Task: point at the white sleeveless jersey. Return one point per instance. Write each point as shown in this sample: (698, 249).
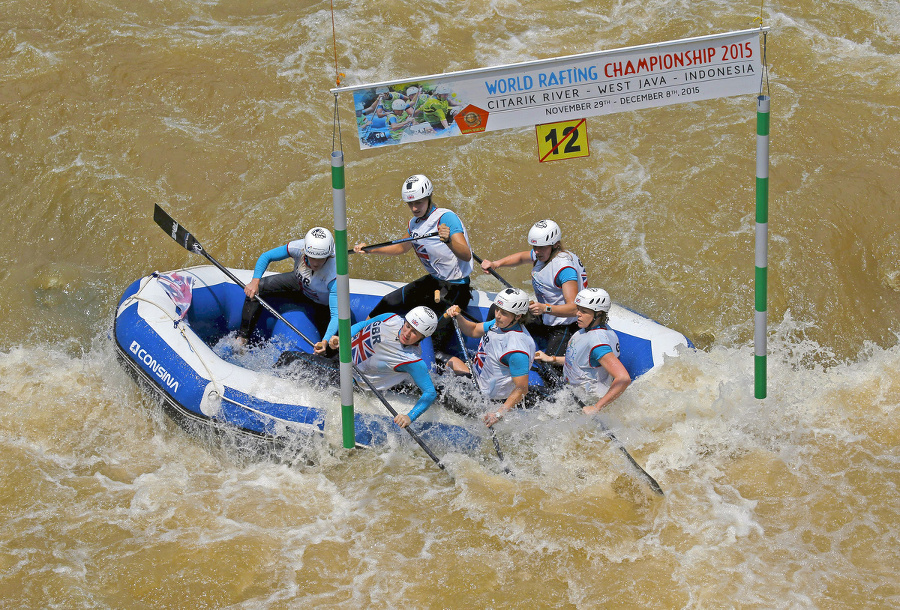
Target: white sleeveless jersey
(493, 376)
(436, 256)
(543, 278)
(593, 381)
(377, 352)
(314, 285)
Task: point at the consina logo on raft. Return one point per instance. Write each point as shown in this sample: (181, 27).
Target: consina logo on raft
(158, 369)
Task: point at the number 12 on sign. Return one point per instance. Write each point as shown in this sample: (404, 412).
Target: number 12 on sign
(563, 140)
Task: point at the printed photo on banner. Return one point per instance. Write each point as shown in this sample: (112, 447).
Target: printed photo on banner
(410, 112)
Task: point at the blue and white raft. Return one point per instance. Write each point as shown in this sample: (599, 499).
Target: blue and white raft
(170, 327)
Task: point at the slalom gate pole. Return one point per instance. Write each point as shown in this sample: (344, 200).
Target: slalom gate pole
(762, 244)
(339, 200)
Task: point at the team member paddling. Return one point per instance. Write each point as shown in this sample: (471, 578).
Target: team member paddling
(386, 350)
(311, 281)
(447, 258)
(557, 276)
(438, 109)
(399, 119)
(504, 355)
(592, 362)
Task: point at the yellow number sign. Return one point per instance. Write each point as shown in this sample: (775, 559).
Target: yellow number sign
(563, 140)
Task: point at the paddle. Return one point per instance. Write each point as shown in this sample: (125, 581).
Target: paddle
(396, 241)
(618, 444)
(462, 346)
(492, 272)
(612, 437)
(187, 241)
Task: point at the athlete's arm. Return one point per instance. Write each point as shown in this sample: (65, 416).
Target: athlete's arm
(278, 253)
(450, 230)
(567, 280)
(393, 249)
(621, 380)
(468, 327)
(333, 310)
(507, 261)
(460, 247)
(418, 370)
(518, 369)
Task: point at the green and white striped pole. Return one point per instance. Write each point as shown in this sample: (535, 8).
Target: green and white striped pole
(343, 293)
(762, 243)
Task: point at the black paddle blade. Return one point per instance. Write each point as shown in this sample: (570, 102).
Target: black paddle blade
(175, 230)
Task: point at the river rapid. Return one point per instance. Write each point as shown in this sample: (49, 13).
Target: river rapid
(220, 111)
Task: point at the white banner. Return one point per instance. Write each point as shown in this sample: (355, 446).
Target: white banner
(558, 89)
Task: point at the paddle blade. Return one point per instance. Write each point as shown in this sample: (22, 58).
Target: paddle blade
(175, 230)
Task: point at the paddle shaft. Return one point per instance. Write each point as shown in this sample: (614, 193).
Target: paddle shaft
(615, 441)
(462, 346)
(612, 437)
(393, 412)
(492, 272)
(391, 243)
(183, 237)
(618, 445)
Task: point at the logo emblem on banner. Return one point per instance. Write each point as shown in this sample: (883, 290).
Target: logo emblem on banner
(471, 119)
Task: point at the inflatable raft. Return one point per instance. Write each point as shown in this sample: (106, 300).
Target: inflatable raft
(171, 332)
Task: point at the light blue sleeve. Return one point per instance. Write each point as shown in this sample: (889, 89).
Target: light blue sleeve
(566, 274)
(275, 254)
(361, 325)
(452, 221)
(333, 308)
(418, 370)
(597, 353)
(517, 362)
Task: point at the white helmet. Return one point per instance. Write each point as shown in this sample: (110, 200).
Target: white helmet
(442, 90)
(399, 105)
(318, 243)
(412, 91)
(513, 300)
(423, 319)
(415, 187)
(593, 298)
(544, 233)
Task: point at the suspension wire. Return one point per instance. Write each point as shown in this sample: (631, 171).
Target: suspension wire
(337, 142)
(764, 77)
(336, 128)
(765, 69)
